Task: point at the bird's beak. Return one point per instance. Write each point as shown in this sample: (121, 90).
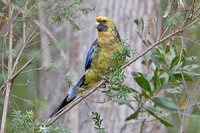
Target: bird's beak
(97, 24)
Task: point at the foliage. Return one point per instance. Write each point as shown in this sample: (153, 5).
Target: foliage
(117, 77)
(97, 122)
(27, 123)
(174, 19)
(70, 11)
(169, 69)
(68, 80)
(51, 68)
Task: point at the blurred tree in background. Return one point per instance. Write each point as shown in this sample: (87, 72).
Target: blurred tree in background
(43, 48)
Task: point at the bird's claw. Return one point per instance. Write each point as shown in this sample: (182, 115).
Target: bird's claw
(105, 78)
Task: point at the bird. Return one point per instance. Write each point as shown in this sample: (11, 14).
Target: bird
(99, 59)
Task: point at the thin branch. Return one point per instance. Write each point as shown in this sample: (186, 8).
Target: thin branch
(48, 32)
(185, 108)
(142, 126)
(34, 69)
(32, 36)
(25, 100)
(165, 31)
(17, 73)
(188, 39)
(179, 110)
(75, 102)
(9, 84)
(22, 49)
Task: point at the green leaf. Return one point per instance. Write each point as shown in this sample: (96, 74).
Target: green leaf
(133, 116)
(51, 68)
(175, 90)
(136, 22)
(68, 80)
(164, 122)
(183, 61)
(187, 76)
(166, 103)
(142, 82)
(139, 23)
(165, 78)
(152, 108)
(157, 57)
(193, 74)
(97, 121)
(175, 61)
(192, 58)
(156, 80)
(144, 94)
(190, 67)
(132, 90)
(178, 75)
(124, 102)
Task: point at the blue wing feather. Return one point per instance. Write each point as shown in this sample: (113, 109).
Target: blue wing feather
(73, 91)
(89, 55)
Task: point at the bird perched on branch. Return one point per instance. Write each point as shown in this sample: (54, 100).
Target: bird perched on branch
(99, 59)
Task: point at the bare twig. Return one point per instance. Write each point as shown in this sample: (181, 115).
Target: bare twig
(9, 84)
(142, 125)
(48, 32)
(188, 39)
(185, 108)
(179, 109)
(33, 35)
(34, 69)
(22, 49)
(26, 100)
(44, 28)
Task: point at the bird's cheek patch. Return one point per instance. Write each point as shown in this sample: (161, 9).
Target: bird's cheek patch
(101, 28)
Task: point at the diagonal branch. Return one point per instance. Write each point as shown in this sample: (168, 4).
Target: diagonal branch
(75, 102)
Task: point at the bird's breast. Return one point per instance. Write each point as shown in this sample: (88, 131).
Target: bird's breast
(102, 59)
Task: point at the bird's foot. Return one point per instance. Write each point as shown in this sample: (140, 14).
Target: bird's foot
(105, 78)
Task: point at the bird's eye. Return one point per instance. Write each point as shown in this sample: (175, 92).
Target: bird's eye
(104, 21)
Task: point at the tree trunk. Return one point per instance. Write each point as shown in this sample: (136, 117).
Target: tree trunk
(123, 12)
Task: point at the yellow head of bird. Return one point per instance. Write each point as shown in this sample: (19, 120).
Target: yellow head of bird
(104, 24)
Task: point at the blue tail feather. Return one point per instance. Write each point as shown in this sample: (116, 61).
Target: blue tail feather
(70, 97)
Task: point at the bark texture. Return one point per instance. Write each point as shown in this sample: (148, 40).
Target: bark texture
(71, 58)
